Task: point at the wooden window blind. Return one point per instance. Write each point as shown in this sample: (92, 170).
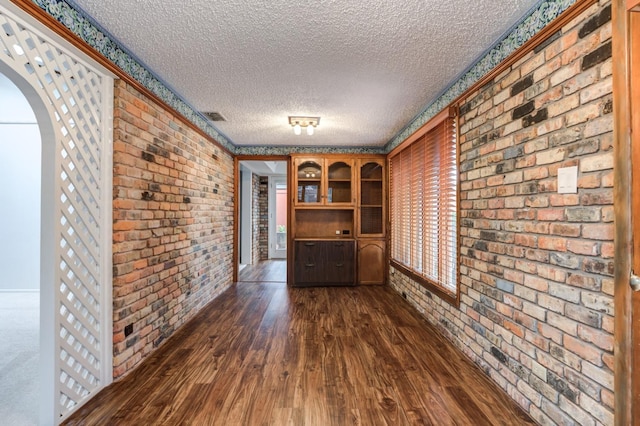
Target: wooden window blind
(424, 208)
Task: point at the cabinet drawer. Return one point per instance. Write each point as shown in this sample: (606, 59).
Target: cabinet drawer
(309, 262)
(340, 262)
(324, 262)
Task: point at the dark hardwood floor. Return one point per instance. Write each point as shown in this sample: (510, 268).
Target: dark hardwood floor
(268, 354)
(274, 270)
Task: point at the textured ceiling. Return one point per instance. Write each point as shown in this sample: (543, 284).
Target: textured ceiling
(366, 68)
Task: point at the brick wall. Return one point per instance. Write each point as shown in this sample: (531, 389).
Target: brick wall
(263, 203)
(255, 218)
(172, 225)
(536, 267)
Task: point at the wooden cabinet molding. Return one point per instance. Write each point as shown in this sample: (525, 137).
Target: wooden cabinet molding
(626, 131)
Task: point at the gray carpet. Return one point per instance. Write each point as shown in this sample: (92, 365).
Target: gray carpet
(19, 358)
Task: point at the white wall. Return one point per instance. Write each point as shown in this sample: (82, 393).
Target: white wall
(20, 161)
(246, 209)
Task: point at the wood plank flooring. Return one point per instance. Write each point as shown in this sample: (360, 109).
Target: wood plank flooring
(268, 354)
(274, 270)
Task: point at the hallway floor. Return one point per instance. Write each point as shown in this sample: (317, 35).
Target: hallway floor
(19, 358)
(273, 270)
(267, 354)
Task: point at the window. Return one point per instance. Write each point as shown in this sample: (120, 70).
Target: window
(424, 207)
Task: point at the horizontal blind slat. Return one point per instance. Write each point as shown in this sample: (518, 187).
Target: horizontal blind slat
(424, 203)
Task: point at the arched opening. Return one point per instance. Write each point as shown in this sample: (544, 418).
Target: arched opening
(20, 169)
(26, 299)
(72, 100)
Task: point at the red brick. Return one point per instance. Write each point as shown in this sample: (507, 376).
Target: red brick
(552, 243)
(588, 248)
(551, 214)
(598, 338)
(607, 250)
(565, 230)
(583, 349)
(516, 329)
(598, 231)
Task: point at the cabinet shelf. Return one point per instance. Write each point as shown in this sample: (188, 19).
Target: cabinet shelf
(316, 206)
(371, 198)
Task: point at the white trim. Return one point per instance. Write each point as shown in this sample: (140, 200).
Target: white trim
(246, 216)
(106, 303)
(273, 253)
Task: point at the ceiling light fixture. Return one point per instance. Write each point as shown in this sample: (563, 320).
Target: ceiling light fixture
(299, 122)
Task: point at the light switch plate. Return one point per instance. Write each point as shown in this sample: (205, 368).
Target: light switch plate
(568, 180)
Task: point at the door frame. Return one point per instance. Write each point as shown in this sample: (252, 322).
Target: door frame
(626, 97)
(236, 205)
(273, 181)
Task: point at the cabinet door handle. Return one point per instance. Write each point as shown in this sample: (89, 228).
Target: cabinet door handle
(339, 244)
(309, 244)
(309, 265)
(339, 265)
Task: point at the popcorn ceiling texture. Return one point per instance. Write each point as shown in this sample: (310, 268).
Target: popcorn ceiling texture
(536, 267)
(365, 67)
(390, 54)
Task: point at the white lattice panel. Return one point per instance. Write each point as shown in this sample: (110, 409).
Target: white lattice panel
(79, 101)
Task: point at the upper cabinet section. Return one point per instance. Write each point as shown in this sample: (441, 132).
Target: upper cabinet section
(371, 197)
(340, 174)
(324, 182)
(309, 180)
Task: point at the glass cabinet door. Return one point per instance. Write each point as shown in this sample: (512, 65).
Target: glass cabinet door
(339, 183)
(309, 178)
(371, 198)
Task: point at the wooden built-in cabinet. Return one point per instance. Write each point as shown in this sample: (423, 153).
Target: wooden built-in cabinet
(338, 218)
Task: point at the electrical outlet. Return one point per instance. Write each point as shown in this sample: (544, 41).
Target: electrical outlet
(337, 232)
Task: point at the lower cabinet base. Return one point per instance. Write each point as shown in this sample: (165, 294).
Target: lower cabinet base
(371, 262)
(324, 263)
(299, 284)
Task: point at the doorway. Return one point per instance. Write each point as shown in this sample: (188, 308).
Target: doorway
(262, 218)
(20, 352)
(277, 213)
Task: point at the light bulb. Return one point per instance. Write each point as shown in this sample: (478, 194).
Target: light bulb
(309, 130)
(297, 129)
